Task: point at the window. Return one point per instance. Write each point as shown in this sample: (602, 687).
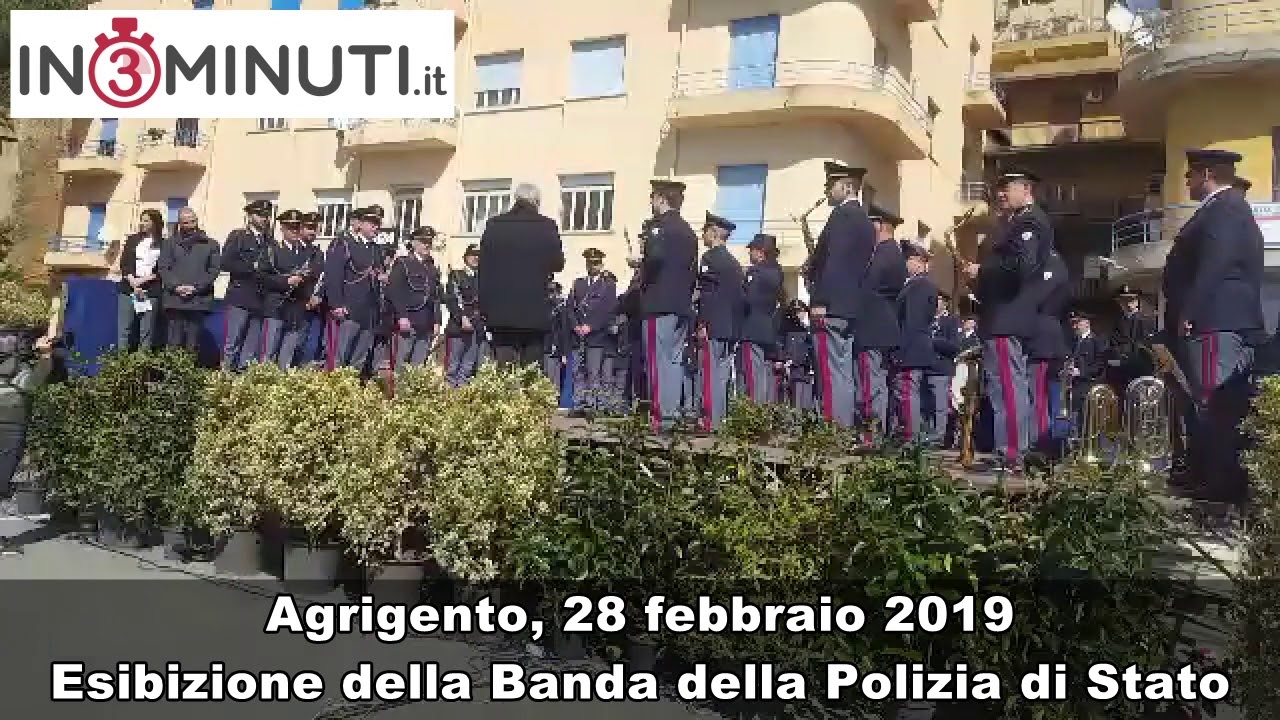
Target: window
(202, 4)
(350, 4)
(482, 200)
(272, 123)
(334, 208)
(286, 4)
(172, 207)
(93, 239)
(753, 52)
(740, 198)
(586, 202)
(271, 197)
(598, 68)
(498, 79)
(408, 209)
(107, 133)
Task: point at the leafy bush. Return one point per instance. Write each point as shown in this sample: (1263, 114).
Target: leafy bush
(1258, 644)
(61, 440)
(23, 306)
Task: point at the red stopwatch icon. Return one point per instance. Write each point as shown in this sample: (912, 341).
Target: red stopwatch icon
(129, 71)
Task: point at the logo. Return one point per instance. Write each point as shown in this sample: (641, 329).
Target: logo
(225, 64)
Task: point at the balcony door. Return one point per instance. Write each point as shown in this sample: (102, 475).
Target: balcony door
(173, 206)
(97, 222)
(740, 193)
(107, 132)
(186, 132)
(753, 52)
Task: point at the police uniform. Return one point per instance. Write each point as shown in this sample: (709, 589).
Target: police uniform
(1046, 348)
(1130, 340)
(760, 323)
(313, 350)
(593, 300)
(632, 331)
(1006, 278)
(1213, 285)
(837, 268)
(917, 303)
(414, 295)
(668, 270)
(353, 292)
(720, 302)
(619, 359)
(876, 330)
(558, 338)
(944, 331)
(797, 356)
(284, 315)
(242, 314)
(463, 348)
(1088, 355)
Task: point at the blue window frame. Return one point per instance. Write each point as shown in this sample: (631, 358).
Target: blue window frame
(350, 4)
(109, 129)
(201, 4)
(740, 192)
(97, 222)
(286, 4)
(753, 52)
(598, 68)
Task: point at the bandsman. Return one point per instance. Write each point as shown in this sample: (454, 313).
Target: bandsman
(352, 289)
(554, 356)
(289, 268)
(719, 324)
(593, 301)
(1088, 358)
(1131, 341)
(414, 294)
(945, 331)
(760, 321)
(1046, 350)
(797, 356)
(314, 350)
(916, 305)
(618, 355)
(668, 267)
(464, 344)
(876, 330)
(242, 319)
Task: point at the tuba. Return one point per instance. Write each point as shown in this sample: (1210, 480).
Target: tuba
(1147, 423)
(1100, 424)
(971, 360)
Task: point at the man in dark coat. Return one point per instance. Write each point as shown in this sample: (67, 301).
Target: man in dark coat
(1131, 341)
(945, 331)
(1088, 358)
(554, 356)
(465, 338)
(414, 294)
(916, 304)
(758, 348)
(188, 266)
(876, 330)
(719, 324)
(242, 304)
(352, 289)
(519, 253)
(837, 268)
(668, 269)
(797, 356)
(288, 268)
(313, 350)
(593, 301)
(1046, 349)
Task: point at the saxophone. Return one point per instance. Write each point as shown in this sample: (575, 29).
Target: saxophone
(972, 393)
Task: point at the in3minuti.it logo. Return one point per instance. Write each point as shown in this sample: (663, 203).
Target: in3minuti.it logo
(224, 64)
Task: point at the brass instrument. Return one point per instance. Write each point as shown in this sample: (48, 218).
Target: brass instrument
(1100, 424)
(1148, 431)
(957, 259)
(1064, 390)
(972, 393)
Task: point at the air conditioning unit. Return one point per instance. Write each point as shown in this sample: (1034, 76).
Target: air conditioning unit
(1094, 96)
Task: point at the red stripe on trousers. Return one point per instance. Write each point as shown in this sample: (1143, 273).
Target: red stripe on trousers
(651, 360)
(748, 371)
(331, 343)
(824, 374)
(904, 390)
(708, 403)
(864, 376)
(1042, 398)
(1005, 368)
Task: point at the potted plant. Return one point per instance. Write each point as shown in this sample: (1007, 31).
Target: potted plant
(61, 446)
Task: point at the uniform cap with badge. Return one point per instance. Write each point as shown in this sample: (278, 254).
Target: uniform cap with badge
(1126, 293)
(472, 250)
(764, 241)
(914, 249)
(718, 222)
(1208, 157)
(423, 233)
(1017, 175)
(258, 208)
(593, 255)
(290, 217)
(311, 218)
(838, 171)
(878, 214)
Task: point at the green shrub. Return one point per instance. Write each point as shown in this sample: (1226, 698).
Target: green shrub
(1258, 619)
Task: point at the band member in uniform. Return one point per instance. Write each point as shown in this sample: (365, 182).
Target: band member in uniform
(464, 333)
(242, 319)
(836, 269)
(917, 305)
(617, 354)
(1046, 349)
(945, 331)
(668, 267)
(553, 356)
(1131, 341)
(414, 294)
(352, 290)
(593, 302)
(188, 268)
(1003, 281)
(797, 356)
(312, 352)
(1088, 359)
(1214, 301)
(288, 267)
(760, 321)
(720, 301)
(969, 337)
(876, 331)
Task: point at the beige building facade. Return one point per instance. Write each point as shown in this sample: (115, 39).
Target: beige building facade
(589, 100)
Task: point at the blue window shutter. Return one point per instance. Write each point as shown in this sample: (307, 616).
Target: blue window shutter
(350, 4)
(110, 126)
(202, 4)
(597, 69)
(498, 72)
(740, 193)
(97, 221)
(286, 4)
(753, 52)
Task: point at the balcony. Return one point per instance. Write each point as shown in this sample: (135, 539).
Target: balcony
(983, 102)
(1140, 242)
(163, 150)
(1038, 135)
(876, 101)
(401, 135)
(93, 158)
(76, 252)
(1053, 46)
(918, 10)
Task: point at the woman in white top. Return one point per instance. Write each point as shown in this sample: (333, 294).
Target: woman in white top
(139, 305)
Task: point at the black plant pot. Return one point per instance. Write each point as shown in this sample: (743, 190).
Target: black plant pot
(87, 522)
(173, 540)
(642, 655)
(28, 500)
(239, 553)
(113, 531)
(198, 544)
(312, 568)
(396, 582)
(568, 646)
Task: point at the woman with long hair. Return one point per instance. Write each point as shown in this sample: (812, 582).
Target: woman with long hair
(139, 305)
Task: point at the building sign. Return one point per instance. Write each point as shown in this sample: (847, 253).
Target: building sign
(1268, 216)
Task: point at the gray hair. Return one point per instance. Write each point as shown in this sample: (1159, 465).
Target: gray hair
(527, 193)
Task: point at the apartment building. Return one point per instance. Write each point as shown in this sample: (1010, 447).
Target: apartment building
(743, 101)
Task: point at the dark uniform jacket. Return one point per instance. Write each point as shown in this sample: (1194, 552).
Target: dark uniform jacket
(720, 294)
(968, 343)
(840, 258)
(414, 293)
(1009, 273)
(797, 349)
(946, 344)
(129, 266)
(519, 253)
(593, 302)
(279, 261)
(460, 298)
(760, 318)
(1051, 296)
(191, 258)
(1130, 341)
(559, 340)
(351, 269)
(876, 324)
(917, 303)
(240, 257)
(668, 267)
(1089, 355)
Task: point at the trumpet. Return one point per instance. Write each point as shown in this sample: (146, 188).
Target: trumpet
(1147, 423)
(1100, 425)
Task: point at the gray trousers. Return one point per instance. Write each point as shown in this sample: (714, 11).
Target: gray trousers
(664, 339)
(351, 346)
(908, 407)
(1004, 371)
(836, 385)
(272, 348)
(801, 392)
(411, 348)
(242, 334)
(292, 340)
(873, 390)
(128, 322)
(591, 387)
(715, 372)
(755, 374)
(553, 368)
(940, 404)
(1218, 372)
(462, 355)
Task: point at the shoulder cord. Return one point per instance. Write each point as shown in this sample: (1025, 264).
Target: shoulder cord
(421, 289)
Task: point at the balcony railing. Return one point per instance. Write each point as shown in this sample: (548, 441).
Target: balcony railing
(1155, 226)
(101, 148)
(1066, 133)
(1047, 28)
(792, 73)
(76, 244)
(982, 81)
(404, 122)
(182, 138)
(1157, 29)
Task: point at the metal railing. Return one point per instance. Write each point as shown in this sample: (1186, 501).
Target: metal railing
(1089, 130)
(100, 148)
(1161, 224)
(1050, 27)
(1158, 29)
(76, 243)
(790, 73)
(972, 191)
(164, 137)
(358, 123)
(982, 81)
